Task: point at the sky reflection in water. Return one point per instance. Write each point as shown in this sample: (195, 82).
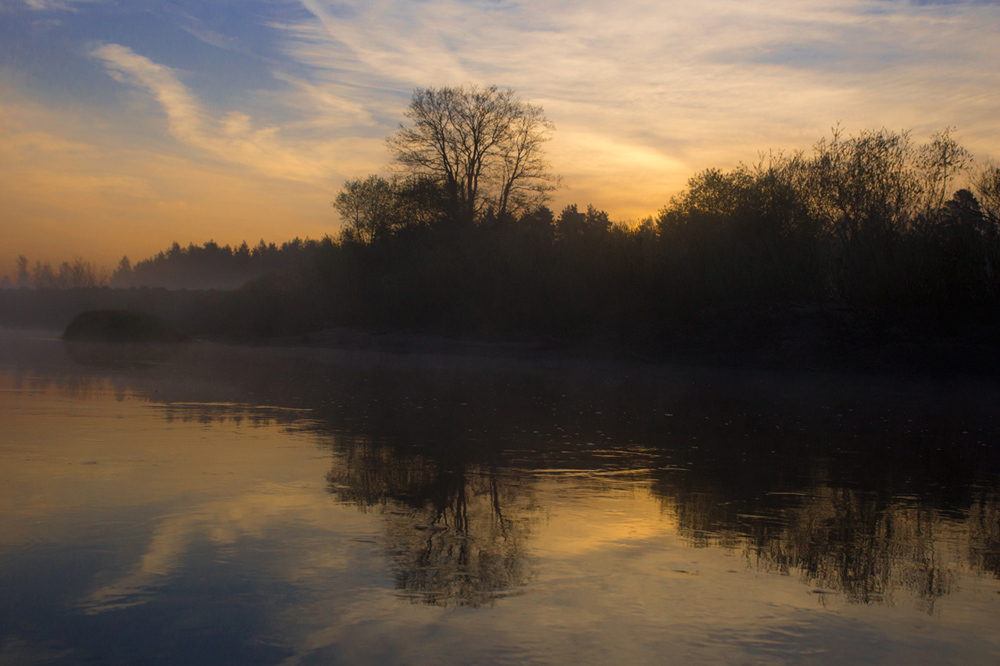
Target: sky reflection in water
(280, 506)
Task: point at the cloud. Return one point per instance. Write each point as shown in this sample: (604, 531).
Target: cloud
(69, 189)
(221, 522)
(209, 36)
(643, 94)
(233, 137)
(684, 85)
(54, 5)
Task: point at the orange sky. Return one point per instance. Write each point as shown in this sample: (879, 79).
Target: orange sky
(123, 130)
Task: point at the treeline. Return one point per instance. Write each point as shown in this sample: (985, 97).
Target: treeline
(872, 223)
(874, 231)
(208, 266)
(213, 266)
(78, 274)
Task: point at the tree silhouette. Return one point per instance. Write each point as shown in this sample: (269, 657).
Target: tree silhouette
(483, 145)
(986, 183)
(368, 208)
(23, 276)
(942, 160)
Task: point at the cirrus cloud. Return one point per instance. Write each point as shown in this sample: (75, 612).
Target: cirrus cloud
(233, 137)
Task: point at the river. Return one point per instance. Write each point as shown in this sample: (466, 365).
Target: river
(213, 504)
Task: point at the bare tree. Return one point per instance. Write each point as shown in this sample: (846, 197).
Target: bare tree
(864, 186)
(942, 160)
(986, 183)
(483, 145)
(522, 173)
(23, 278)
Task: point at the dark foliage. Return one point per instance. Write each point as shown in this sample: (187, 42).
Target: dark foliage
(483, 146)
(866, 227)
(120, 326)
(212, 266)
(847, 247)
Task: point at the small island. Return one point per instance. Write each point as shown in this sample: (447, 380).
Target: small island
(121, 326)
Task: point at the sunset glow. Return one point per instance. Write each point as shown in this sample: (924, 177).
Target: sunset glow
(124, 128)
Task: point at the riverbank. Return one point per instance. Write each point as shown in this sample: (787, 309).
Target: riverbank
(802, 336)
(807, 338)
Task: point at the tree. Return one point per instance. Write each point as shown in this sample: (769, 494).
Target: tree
(23, 275)
(375, 208)
(122, 276)
(864, 187)
(482, 145)
(523, 173)
(986, 183)
(573, 224)
(42, 276)
(368, 208)
(942, 160)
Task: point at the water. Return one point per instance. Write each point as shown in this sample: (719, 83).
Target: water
(226, 505)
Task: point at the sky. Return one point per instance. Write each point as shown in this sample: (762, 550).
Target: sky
(126, 125)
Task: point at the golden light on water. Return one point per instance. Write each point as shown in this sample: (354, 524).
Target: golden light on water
(351, 505)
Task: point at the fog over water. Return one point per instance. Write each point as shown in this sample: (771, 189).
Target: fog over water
(262, 505)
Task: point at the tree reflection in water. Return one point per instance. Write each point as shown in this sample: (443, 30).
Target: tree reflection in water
(455, 531)
(984, 534)
(866, 545)
(872, 490)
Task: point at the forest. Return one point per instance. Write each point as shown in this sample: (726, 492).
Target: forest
(868, 238)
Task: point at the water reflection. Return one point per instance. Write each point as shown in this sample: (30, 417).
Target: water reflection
(841, 540)
(455, 536)
(121, 355)
(872, 491)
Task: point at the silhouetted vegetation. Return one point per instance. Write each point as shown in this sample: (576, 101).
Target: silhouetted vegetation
(119, 326)
(865, 237)
(208, 266)
(212, 266)
(862, 242)
(78, 274)
(481, 146)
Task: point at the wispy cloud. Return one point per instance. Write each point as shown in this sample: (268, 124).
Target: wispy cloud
(53, 5)
(697, 82)
(643, 93)
(209, 36)
(679, 86)
(220, 522)
(232, 137)
(67, 190)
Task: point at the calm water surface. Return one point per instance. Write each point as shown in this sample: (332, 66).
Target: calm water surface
(227, 505)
